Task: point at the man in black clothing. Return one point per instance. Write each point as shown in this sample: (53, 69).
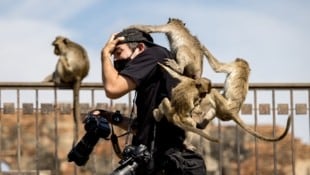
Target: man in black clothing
(135, 58)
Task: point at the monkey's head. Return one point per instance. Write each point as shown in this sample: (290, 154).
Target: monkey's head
(60, 44)
(175, 21)
(203, 86)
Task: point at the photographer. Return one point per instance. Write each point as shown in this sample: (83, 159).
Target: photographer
(129, 62)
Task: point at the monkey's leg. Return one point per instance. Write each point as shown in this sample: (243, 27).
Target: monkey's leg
(211, 113)
(167, 109)
(158, 113)
(188, 141)
(164, 109)
(49, 78)
(182, 121)
(209, 116)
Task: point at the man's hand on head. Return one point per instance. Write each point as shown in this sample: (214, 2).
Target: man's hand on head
(111, 44)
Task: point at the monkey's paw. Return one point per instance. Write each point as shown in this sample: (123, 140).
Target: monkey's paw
(173, 65)
(157, 115)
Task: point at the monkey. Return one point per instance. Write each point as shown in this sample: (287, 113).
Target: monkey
(184, 97)
(185, 48)
(72, 67)
(226, 106)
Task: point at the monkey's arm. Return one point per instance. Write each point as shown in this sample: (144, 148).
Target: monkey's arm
(151, 28)
(64, 62)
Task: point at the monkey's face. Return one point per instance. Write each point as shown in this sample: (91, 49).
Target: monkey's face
(59, 45)
(56, 50)
(203, 86)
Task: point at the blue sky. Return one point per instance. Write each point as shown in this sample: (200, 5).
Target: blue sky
(273, 36)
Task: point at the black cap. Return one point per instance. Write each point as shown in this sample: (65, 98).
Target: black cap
(135, 35)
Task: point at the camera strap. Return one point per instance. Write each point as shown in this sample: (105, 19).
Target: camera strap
(114, 137)
(115, 144)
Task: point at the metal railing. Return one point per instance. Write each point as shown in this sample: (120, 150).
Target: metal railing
(43, 109)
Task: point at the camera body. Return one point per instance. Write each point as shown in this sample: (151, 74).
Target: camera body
(96, 127)
(133, 157)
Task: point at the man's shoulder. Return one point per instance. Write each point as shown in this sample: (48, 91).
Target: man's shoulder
(158, 50)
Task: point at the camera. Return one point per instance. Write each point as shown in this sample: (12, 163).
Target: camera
(133, 157)
(96, 127)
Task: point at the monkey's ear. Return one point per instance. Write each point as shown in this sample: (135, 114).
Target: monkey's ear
(66, 41)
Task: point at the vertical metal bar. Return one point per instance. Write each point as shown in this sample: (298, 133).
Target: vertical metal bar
(37, 131)
(18, 132)
(56, 132)
(275, 169)
(220, 148)
(308, 113)
(238, 149)
(255, 127)
(93, 156)
(292, 132)
(92, 98)
(130, 100)
(111, 104)
(0, 130)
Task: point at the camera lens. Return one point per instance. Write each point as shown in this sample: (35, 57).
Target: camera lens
(80, 153)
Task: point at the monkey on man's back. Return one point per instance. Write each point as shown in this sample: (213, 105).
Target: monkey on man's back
(185, 96)
(186, 49)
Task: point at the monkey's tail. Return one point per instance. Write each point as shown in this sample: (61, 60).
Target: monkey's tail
(76, 110)
(260, 136)
(207, 53)
(197, 131)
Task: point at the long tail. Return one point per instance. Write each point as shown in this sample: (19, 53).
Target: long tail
(197, 131)
(76, 110)
(207, 53)
(260, 136)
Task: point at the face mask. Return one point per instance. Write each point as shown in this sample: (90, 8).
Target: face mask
(119, 65)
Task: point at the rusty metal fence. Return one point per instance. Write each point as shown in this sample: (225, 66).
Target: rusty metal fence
(36, 131)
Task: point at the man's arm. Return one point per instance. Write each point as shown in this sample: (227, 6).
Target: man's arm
(115, 85)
